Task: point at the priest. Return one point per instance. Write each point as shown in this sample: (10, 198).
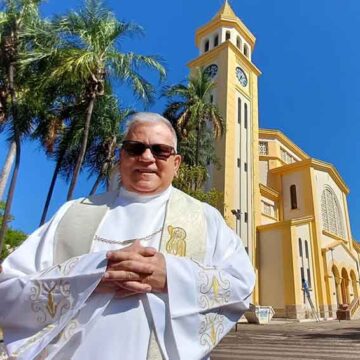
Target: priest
(144, 272)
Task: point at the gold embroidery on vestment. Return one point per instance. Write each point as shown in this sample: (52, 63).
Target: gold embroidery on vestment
(176, 245)
(51, 305)
(215, 288)
(33, 339)
(50, 299)
(211, 329)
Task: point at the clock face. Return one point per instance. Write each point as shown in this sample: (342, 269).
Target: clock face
(240, 74)
(211, 70)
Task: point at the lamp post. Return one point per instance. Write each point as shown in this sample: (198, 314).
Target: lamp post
(237, 213)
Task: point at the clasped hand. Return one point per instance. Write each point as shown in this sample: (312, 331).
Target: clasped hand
(134, 270)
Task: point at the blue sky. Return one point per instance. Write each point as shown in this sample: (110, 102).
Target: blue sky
(308, 52)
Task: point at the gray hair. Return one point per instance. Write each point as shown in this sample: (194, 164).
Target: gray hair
(149, 118)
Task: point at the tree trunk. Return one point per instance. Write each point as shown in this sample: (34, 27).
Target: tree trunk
(105, 166)
(81, 156)
(10, 196)
(7, 168)
(97, 182)
(197, 150)
(51, 190)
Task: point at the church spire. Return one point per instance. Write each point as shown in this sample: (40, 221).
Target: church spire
(225, 25)
(226, 12)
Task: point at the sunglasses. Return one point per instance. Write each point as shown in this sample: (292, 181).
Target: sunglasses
(137, 148)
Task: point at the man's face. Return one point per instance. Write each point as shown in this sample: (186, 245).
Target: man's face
(146, 174)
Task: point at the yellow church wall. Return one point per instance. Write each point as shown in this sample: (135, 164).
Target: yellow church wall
(278, 268)
(271, 265)
(230, 163)
(263, 171)
(342, 258)
(277, 140)
(299, 178)
(319, 269)
(326, 240)
(303, 232)
(256, 173)
(281, 240)
(347, 220)
(273, 148)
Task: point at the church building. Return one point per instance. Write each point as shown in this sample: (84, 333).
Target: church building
(289, 209)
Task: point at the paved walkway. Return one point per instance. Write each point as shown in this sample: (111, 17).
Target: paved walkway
(316, 341)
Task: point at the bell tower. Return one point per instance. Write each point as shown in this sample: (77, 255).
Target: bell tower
(225, 50)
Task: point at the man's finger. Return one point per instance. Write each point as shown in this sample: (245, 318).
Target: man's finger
(120, 255)
(147, 251)
(120, 275)
(132, 266)
(135, 286)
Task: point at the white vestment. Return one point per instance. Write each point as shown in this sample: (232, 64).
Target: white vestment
(52, 312)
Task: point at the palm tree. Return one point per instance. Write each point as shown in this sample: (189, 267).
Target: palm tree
(16, 99)
(190, 107)
(101, 156)
(57, 129)
(60, 133)
(206, 154)
(88, 52)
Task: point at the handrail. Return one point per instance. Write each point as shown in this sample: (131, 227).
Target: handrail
(347, 312)
(354, 305)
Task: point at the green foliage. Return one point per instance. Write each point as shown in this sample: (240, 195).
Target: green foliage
(105, 138)
(207, 155)
(13, 238)
(193, 114)
(213, 197)
(198, 123)
(191, 179)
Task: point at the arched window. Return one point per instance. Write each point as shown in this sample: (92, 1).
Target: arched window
(293, 197)
(206, 46)
(227, 35)
(246, 50)
(300, 247)
(306, 249)
(238, 42)
(216, 40)
(331, 212)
